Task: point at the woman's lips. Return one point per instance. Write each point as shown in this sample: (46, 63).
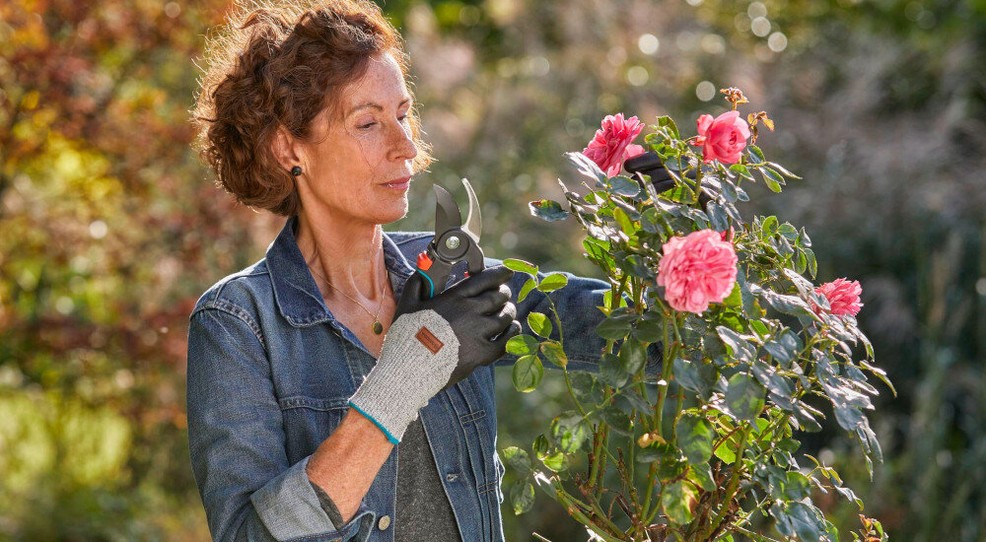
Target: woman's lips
(399, 184)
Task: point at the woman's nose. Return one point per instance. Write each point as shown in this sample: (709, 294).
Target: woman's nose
(402, 145)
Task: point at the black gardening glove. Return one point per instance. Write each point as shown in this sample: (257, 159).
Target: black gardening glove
(650, 164)
(479, 311)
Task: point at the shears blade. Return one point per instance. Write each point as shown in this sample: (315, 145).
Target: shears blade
(474, 220)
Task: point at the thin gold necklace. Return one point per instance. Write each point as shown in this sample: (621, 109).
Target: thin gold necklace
(376, 327)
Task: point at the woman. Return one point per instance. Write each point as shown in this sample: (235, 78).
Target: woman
(316, 410)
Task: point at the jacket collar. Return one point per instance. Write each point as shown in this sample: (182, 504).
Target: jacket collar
(295, 292)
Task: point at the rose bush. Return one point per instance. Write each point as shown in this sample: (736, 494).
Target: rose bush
(701, 445)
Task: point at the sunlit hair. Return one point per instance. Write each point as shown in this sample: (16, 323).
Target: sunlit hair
(281, 63)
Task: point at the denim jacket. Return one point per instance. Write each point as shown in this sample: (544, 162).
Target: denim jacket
(270, 371)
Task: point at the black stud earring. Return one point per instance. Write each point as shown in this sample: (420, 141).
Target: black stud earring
(296, 171)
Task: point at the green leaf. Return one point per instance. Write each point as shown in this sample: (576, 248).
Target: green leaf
(741, 170)
(670, 461)
(717, 216)
(701, 475)
(696, 376)
(782, 170)
(615, 327)
(617, 420)
(624, 221)
(552, 282)
(520, 266)
(738, 346)
(522, 345)
(780, 388)
(548, 210)
(666, 122)
(527, 373)
(517, 459)
(726, 453)
(527, 288)
(780, 352)
(587, 388)
(788, 231)
(611, 371)
(633, 356)
(630, 401)
(799, 519)
(756, 155)
(800, 260)
(522, 496)
(786, 304)
(649, 330)
(570, 431)
(773, 185)
(745, 397)
(677, 501)
(624, 186)
(555, 461)
(553, 352)
(796, 486)
(540, 324)
(650, 220)
(695, 436)
(769, 227)
(587, 167)
(812, 262)
(773, 175)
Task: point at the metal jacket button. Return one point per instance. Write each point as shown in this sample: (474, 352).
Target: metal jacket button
(383, 523)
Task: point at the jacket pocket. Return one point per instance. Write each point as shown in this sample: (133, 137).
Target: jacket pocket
(309, 421)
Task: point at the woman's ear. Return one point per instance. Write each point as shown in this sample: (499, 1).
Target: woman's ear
(286, 148)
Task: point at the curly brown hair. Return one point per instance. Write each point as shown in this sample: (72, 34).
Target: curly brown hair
(281, 63)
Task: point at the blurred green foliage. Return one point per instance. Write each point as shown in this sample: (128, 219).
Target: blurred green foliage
(110, 227)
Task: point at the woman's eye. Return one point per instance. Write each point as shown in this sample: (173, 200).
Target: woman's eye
(366, 125)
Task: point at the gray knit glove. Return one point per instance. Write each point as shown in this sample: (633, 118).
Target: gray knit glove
(434, 343)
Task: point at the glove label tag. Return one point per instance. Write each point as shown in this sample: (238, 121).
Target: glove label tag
(429, 340)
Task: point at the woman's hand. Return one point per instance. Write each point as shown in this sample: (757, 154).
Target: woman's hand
(479, 311)
(433, 344)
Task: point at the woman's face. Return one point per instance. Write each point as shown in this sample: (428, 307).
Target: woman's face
(359, 166)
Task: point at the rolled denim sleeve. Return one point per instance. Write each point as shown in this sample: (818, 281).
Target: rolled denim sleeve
(236, 440)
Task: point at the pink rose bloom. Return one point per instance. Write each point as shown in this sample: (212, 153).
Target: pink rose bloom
(697, 269)
(722, 138)
(613, 143)
(843, 296)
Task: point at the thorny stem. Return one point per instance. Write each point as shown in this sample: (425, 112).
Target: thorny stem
(698, 182)
(662, 389)
(733, 484)
(575, 508)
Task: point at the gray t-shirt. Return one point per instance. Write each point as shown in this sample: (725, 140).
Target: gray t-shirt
(424, 513)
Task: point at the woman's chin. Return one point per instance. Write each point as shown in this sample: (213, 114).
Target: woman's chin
(394, 213)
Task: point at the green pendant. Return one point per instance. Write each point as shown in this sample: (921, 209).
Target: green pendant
(377, 327)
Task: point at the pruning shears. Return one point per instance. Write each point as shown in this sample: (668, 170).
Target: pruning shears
(454, 240)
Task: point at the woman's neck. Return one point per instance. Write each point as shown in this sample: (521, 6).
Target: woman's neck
(349, 257)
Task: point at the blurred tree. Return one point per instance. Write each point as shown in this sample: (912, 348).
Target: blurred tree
(108, 226)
